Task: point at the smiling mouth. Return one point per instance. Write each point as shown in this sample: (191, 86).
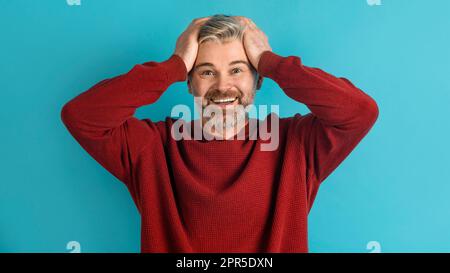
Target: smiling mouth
(224, 101)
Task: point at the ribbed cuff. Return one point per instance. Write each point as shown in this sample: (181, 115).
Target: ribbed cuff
(268, 63)
(175, 69)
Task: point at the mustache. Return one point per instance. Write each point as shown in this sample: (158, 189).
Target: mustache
(217, 94)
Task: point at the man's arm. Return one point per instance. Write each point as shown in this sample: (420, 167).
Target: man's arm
(101, 118)
(341, 114)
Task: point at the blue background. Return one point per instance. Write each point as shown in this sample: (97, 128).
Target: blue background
(394, 188)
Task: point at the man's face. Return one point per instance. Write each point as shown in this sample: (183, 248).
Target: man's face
(222, 75)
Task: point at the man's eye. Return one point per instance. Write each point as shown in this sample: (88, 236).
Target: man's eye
(236, 70)
(207, 73)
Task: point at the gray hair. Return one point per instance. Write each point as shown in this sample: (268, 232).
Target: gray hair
(221, 28)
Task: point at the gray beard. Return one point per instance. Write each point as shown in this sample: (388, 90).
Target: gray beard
(229, 120)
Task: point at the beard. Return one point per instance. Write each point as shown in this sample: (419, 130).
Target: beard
(225, 119)
(229, 116)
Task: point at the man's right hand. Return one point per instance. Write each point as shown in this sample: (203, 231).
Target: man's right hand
(187, 43)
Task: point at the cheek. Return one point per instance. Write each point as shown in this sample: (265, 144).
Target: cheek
(246, 85)
(199, 88)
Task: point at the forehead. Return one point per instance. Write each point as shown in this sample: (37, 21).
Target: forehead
(221, 53)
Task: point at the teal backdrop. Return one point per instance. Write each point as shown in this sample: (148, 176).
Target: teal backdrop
(390, 195)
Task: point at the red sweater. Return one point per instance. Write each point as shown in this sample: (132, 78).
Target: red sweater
(221, 195)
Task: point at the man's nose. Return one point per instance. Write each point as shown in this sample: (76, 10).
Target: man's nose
(223, 83)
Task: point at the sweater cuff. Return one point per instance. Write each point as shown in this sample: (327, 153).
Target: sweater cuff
(175, 69)
(268, 63)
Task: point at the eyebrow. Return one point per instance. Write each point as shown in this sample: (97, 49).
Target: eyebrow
(232, 63)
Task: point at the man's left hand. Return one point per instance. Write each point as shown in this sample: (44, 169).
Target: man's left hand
(255, 41)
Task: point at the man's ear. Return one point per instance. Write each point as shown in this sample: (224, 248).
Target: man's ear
(259, 82)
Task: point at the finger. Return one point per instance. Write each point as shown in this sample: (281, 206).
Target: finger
(198, 21)
(250, 28)
(242, 20)
(195, 25)
(252, 24)
(249, 24)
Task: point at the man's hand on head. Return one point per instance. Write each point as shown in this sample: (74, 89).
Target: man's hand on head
(187, 43)
(255, 40)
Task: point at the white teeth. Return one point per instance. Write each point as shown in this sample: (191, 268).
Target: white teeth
(225, 100)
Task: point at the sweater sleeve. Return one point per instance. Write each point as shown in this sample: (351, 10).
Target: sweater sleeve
(101, 118)
(341, 114)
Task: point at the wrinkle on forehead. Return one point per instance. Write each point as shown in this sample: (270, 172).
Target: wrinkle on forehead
(220, 54)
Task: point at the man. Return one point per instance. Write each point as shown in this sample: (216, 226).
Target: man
(221, 195)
